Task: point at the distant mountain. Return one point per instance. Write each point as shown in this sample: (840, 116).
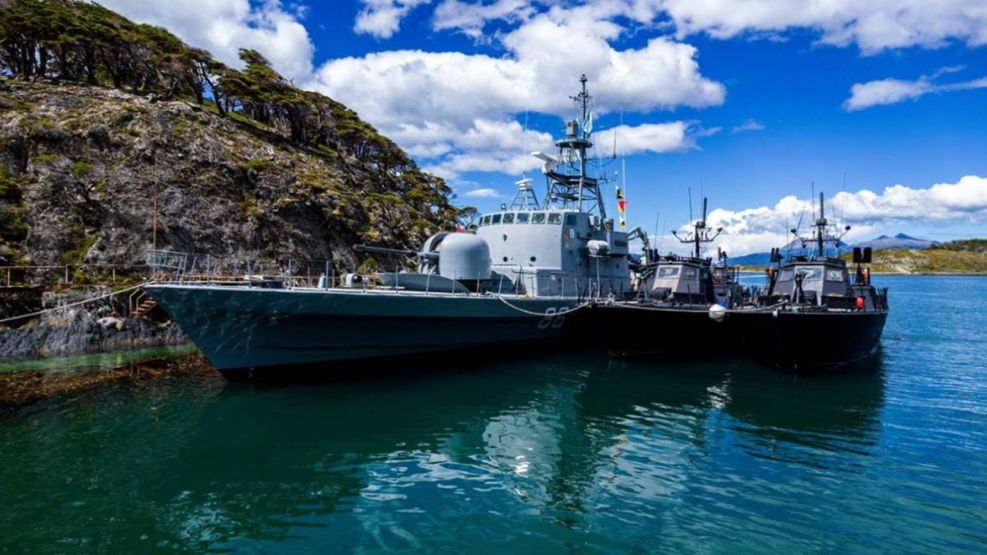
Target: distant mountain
(753, 259)
(884, 242)
(899, 241)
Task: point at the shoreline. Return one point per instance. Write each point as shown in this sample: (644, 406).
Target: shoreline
(760, 270)
(21, 388)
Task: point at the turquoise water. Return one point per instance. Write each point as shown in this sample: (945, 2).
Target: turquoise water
(93, 361)
(558, 454)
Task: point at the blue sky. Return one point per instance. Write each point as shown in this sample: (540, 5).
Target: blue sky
(749, 101)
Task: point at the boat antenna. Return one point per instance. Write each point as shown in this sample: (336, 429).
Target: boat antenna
(524, 144)
(700, 233)
(812, 198)
(690, 204)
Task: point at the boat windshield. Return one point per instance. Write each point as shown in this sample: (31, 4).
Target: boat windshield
(522, 218)
(835, 275)
(811, 273)
(668, 271)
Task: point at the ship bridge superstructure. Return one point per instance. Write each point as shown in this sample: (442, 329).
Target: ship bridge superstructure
(564, 245)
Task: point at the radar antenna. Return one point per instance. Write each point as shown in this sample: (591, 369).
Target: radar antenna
(568, 182)
(700, 233)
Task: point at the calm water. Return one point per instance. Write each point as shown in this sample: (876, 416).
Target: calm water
(563, 454)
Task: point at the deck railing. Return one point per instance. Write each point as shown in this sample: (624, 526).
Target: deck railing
(64, 275)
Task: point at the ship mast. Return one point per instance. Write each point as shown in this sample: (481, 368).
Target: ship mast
(700, 233)
(821, 237)
(568, 182)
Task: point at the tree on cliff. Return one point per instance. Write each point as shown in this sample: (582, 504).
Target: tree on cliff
(78, 41)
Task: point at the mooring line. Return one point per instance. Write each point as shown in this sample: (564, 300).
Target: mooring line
(543, 314)
(70, 305)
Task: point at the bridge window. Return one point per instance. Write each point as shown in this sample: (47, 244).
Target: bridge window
(495, 220)
(555, 218)
(811, 273)
(509, 218)
(522, 218)
(538, 218)
(570, 220)
(690, 272)
(668, 271)
(485, 221)
(834, 275)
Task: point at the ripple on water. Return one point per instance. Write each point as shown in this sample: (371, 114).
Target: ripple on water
(562, 454)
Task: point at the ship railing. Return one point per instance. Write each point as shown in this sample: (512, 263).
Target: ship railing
(45, 277)
(206, 269)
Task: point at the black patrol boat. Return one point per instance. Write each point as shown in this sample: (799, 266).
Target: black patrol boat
(809, 316)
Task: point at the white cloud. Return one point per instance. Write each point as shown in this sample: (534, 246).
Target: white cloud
(382, 18)
(224, 26)
(483, 193)
(673, 136)
(873, 25)
(749, 125)
(892, 91)
(458, 112)
(471, 18)
(759, 229)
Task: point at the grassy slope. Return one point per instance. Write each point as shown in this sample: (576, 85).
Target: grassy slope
(929, 261)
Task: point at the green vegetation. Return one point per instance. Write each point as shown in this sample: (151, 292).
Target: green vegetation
(929, 261)
(83, 42)
(46, 158)
(964, 245)
(81, 169)
(79, 244)
(258, 164)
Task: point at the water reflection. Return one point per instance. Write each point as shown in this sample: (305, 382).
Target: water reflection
(556, 449)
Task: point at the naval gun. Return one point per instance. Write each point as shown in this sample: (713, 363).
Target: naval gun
(447, 262)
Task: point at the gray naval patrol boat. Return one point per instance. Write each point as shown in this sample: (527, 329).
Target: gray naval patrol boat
(809, 317)
(515, 279)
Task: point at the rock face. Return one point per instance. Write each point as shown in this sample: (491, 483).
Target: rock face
(85, 172)
(89, 328)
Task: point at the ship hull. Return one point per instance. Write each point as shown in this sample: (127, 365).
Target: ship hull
(242, 329)
(798, 341)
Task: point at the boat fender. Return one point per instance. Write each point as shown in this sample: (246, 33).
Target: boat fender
(860, 303)
(717, 312)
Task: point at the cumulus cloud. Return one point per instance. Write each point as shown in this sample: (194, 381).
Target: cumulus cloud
(874, 26)
(893, 91)
(672, 136)
(471, 18)
(485, 192)
(224, 26)
(759, 229)
(459, 111)
(382, 18)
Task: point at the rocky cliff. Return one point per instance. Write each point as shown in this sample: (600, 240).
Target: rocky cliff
(117, 137)
(82, 169)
